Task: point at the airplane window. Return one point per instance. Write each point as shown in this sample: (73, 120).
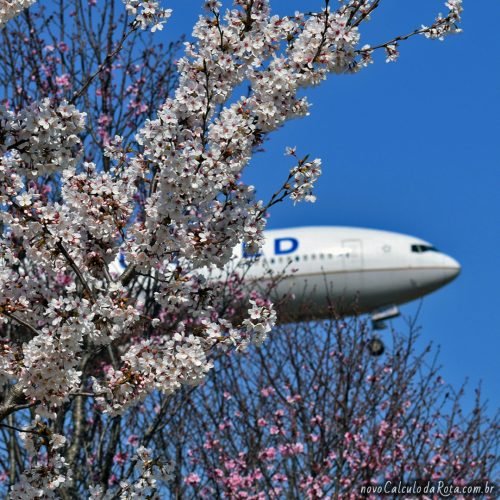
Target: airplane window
(423, 248)
(304, 257)
(280, 260)
(289, 259)
(313, 256)
(272, 261)
(321, 256)
(330, 256)
(297, 258)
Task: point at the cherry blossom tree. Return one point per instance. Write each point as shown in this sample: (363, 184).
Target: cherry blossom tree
(322, 419)
(108, 153)
(299, 419)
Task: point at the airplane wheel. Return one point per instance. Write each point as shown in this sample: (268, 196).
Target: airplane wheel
(376, 346)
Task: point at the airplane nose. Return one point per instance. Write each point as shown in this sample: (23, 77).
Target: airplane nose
(451, 268)
(438, 270)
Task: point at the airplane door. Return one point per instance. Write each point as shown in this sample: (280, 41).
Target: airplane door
(353, 277)
(353, 255)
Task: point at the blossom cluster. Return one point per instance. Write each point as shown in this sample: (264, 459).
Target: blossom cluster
(304, 176)
(445, 25)
(42, 481)
(262, 319)
(149, 472)
(11, 182)
(101, 204)
(48, 471)
(45, 136)
(11, 8)
(165, 366)
(148, 13)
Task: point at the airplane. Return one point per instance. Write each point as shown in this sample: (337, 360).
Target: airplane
(323, 270)
(347, 270)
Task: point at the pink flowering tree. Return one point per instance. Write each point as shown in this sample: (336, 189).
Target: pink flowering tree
(314, 414)
(107, 153)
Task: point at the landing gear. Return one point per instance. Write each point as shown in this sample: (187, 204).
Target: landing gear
(376, 346)
(379, 325)
(379, 316)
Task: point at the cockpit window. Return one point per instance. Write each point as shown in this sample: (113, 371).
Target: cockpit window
(423, 248)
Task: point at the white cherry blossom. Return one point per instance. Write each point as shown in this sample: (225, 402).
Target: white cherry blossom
(11, 8)
(148, 13)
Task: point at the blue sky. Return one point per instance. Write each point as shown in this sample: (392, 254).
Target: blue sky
(410, 147)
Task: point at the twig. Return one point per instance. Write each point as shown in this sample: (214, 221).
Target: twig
(21, 322)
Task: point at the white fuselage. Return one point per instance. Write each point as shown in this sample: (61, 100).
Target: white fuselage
(345, 270)
(319, 271)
